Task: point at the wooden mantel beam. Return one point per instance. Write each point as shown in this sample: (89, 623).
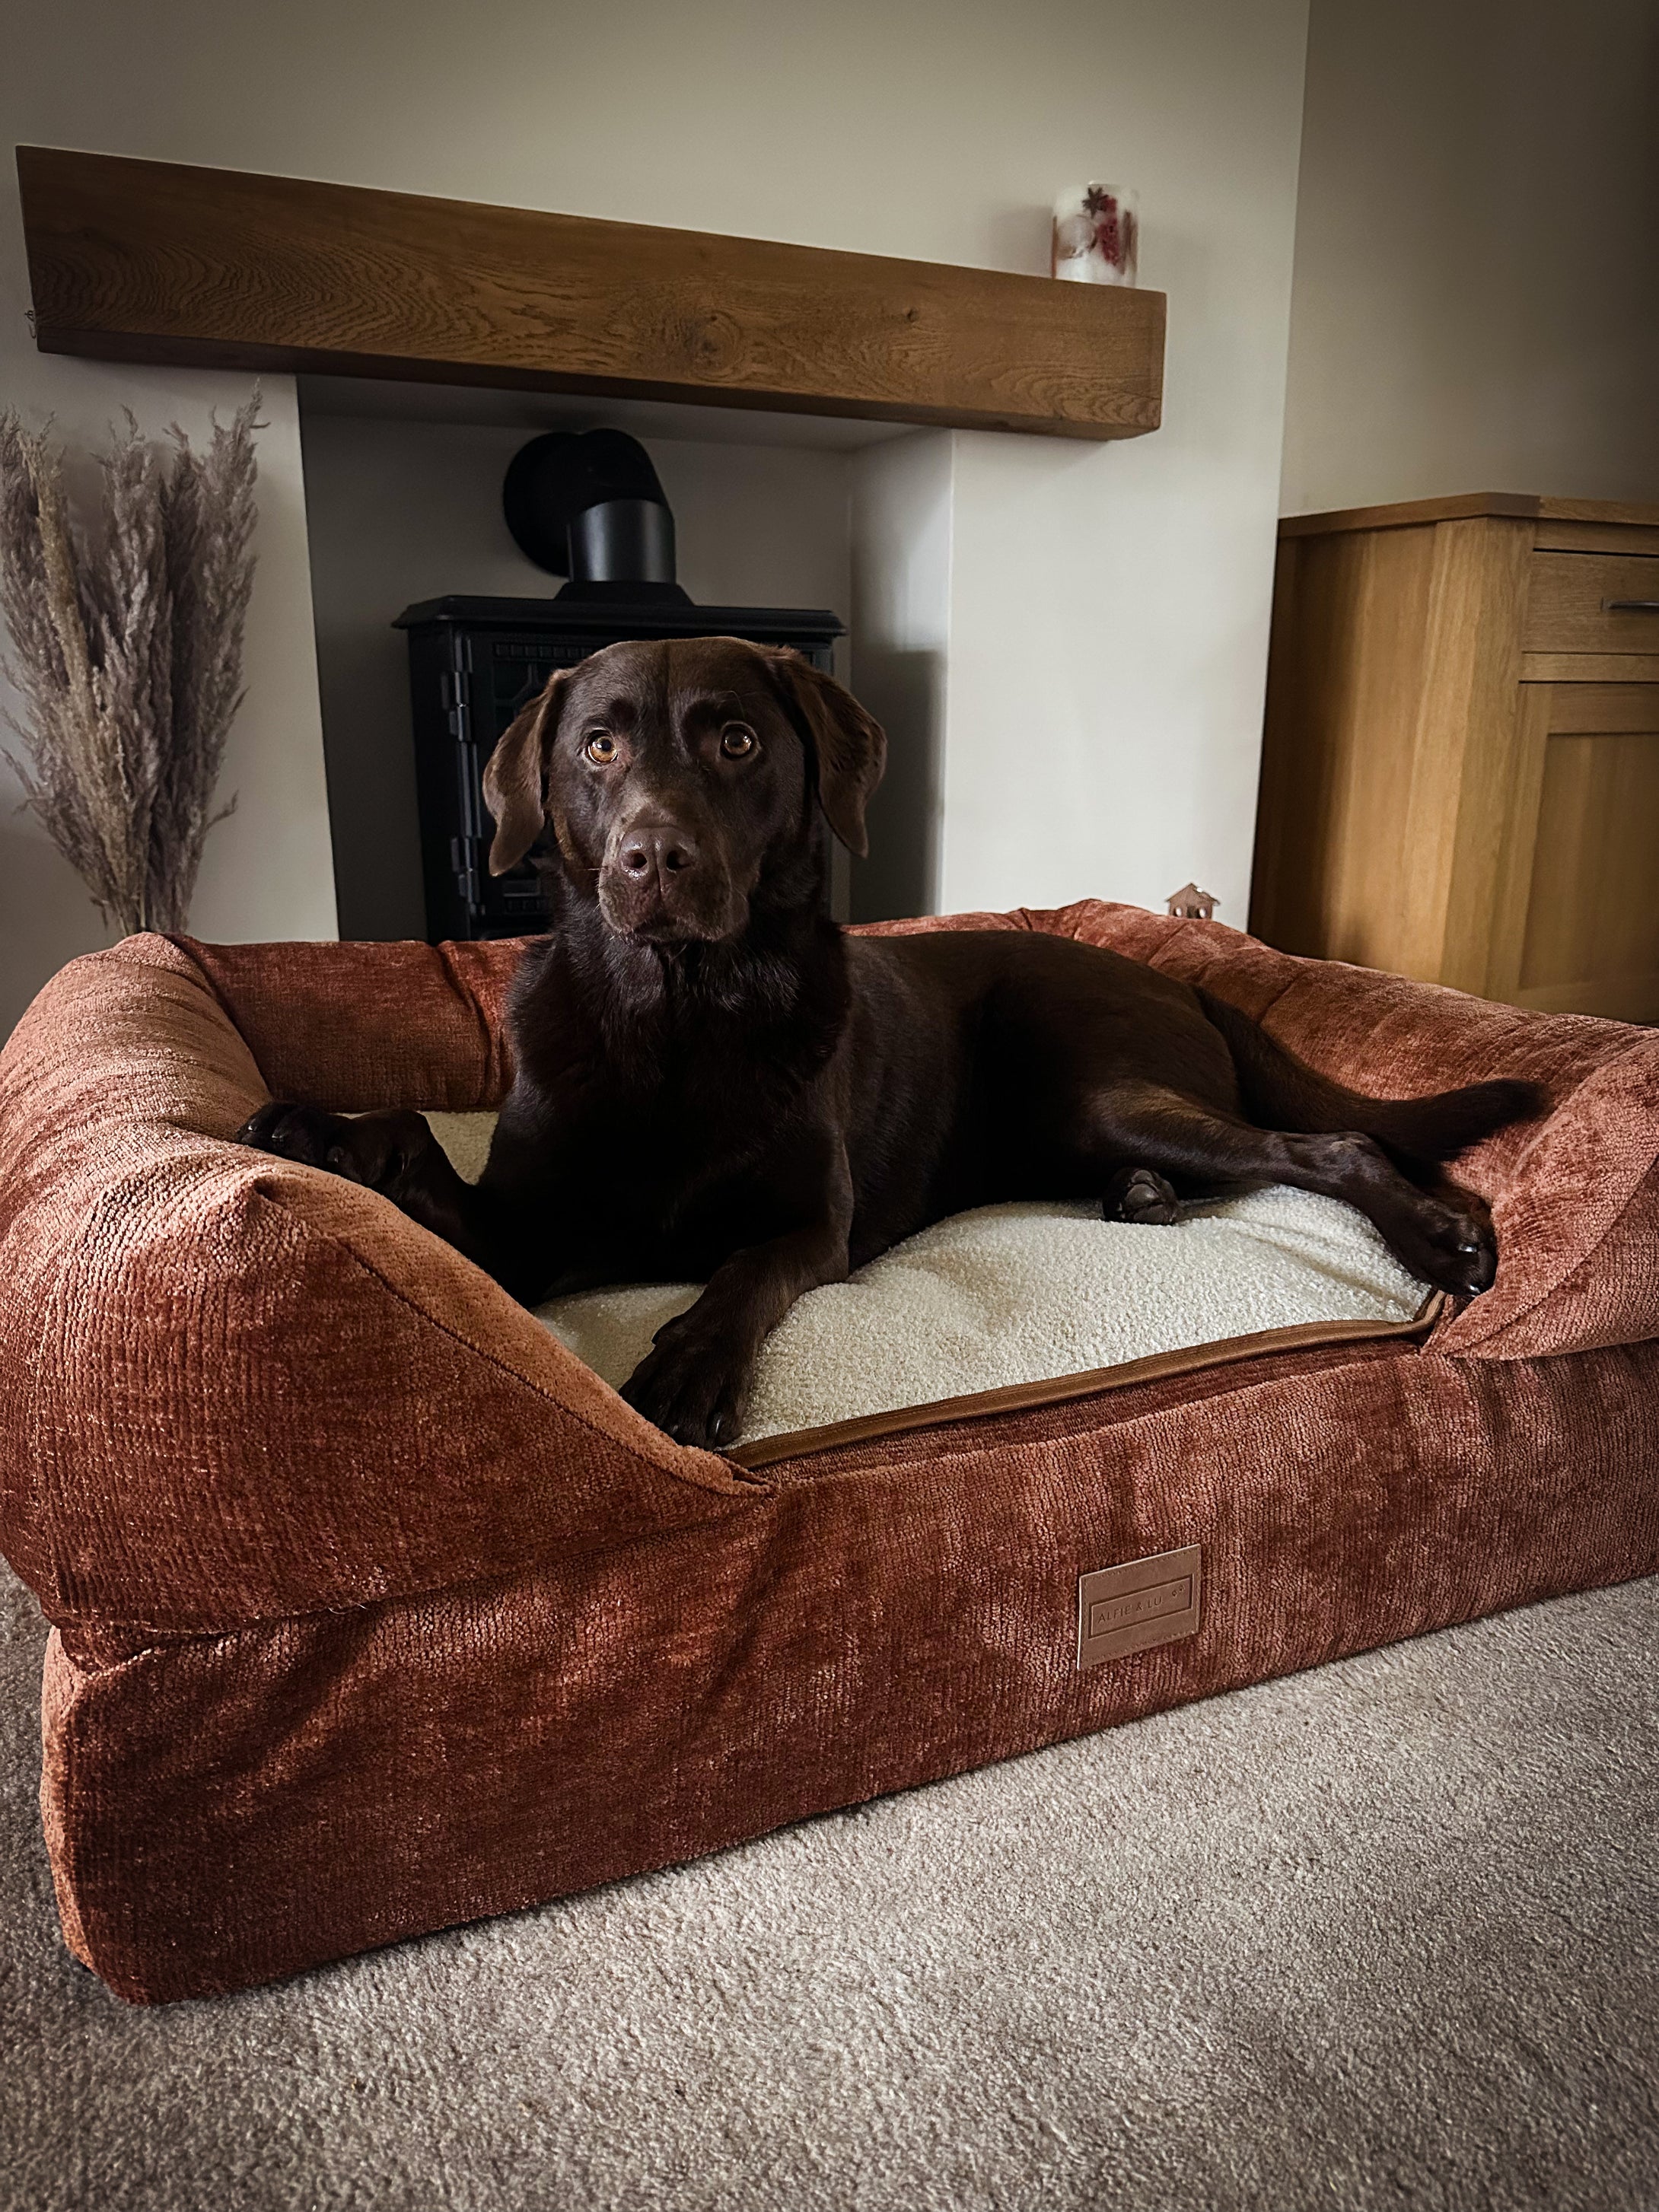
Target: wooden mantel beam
(148, 261)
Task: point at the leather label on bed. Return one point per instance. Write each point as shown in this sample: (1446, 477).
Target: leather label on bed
(1132, 1606)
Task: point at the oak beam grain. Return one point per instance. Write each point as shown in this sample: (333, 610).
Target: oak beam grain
(151, 261)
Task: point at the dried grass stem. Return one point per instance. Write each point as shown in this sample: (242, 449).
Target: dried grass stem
(127, 652)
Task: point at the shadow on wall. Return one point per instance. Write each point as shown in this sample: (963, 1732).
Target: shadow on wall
(905, 691)
(373, 819)
(41, 883)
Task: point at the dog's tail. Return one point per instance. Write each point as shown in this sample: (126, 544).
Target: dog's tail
(1280, 1092)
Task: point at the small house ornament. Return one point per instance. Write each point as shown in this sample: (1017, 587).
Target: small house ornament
(1191, 904)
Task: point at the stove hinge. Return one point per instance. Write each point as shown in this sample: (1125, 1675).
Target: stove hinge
(467, 851)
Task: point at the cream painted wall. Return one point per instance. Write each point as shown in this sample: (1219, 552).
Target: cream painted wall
(1104, 618)
(96, 75)
(1477, 282)
(935, 129)
(1101, 637)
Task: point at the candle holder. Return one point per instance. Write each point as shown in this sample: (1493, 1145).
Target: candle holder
(1096, 235)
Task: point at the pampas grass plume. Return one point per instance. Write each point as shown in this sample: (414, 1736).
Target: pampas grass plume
(126, 652)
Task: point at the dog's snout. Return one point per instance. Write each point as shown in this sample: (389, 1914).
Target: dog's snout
(664, 872)
(660, 848)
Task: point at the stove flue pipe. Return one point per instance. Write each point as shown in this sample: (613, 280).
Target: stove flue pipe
(589, 506)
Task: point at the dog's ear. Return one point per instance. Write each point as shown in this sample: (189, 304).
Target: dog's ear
(515, 776)
(849, 746)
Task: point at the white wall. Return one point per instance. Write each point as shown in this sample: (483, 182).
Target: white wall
(1077, 652)
(938, 130)
(1477, 278)
(902, 524)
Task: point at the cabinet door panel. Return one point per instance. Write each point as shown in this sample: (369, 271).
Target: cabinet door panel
(1592, 929)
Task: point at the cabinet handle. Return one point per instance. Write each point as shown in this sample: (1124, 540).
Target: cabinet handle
(1629, 606)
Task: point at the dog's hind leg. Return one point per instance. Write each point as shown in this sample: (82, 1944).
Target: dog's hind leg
(1140, 1195)
(1445, 1236)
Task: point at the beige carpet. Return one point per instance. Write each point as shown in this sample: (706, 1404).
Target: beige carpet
(1382, 1935)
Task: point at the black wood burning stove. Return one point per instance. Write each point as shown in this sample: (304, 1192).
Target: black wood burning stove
(588, 507)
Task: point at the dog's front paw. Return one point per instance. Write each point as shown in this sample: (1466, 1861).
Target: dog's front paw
(372, 1149)
(304, 1135)
(692, 1385)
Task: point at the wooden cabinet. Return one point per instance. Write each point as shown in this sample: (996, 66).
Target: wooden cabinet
(1459, 775)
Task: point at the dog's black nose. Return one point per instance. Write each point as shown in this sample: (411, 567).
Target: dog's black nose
(661, 848)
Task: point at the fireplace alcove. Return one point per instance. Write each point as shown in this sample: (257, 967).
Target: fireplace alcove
(404, 506)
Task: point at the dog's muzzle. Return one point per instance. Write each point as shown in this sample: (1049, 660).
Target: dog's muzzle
(661, 883)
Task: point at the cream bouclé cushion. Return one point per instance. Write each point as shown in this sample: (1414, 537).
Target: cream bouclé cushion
(1012, 1294)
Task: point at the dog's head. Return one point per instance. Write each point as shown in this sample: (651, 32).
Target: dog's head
(679, 778)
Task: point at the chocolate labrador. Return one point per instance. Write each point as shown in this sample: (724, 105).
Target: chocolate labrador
(712, 1082)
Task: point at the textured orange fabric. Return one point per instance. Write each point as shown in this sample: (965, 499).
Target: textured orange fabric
(238, 1808)
(357, 1026)
(376, 1610)
(220, 1371)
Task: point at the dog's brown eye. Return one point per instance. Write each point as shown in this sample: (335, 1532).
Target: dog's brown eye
(736, 741)
(600, 746)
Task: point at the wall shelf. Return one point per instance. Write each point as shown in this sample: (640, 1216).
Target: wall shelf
(149, 261)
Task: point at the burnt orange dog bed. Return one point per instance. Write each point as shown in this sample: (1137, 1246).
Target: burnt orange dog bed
(375, 1610)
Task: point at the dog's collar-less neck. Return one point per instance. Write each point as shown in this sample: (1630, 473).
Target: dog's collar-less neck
(786, 972)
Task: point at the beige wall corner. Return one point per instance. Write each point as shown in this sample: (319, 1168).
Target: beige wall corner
(1476, 305)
